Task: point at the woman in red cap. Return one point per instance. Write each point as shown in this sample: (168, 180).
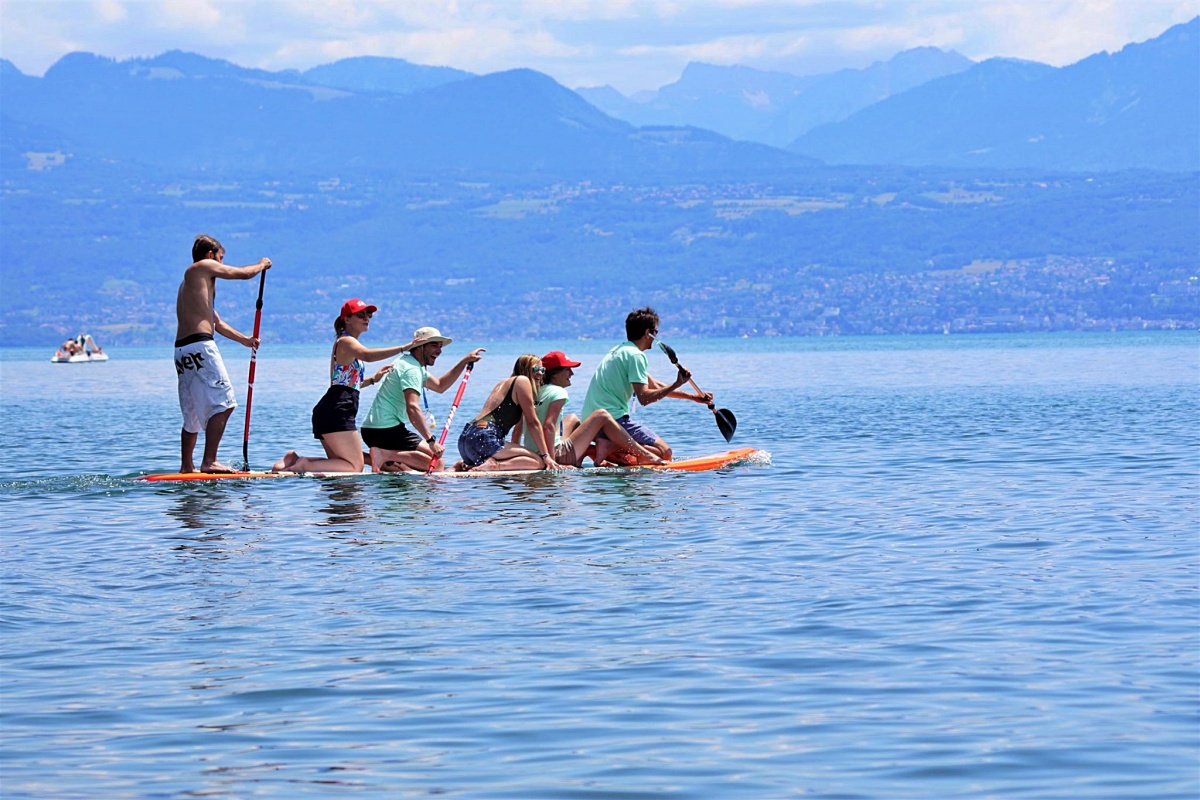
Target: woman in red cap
(572, 438)
(333, 418)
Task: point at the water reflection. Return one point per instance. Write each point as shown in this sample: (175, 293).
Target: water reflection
(634, 492)
(197, 507)
(346, 507)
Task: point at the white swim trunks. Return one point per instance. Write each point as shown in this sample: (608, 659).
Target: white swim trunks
(204, 387)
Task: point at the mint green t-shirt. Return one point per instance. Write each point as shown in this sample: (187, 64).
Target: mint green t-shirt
(548, 395)
(389, 407)
(612, 384)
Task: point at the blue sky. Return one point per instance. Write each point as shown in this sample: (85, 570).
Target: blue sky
(629, 44)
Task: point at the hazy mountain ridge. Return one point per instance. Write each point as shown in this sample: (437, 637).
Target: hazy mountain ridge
(1134, 109)
(378, 74)
(773, 107)
(185, 112)
(1137, 108)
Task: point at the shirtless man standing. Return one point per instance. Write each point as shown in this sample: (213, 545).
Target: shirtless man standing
(205, 393)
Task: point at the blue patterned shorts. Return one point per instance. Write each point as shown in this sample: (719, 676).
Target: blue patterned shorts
(477, 444)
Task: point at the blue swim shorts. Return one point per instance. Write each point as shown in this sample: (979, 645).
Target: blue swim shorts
(637, 431)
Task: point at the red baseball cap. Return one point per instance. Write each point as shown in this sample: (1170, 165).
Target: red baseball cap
(557, 358)
(354, 306)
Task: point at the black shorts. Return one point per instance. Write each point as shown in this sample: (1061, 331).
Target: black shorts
(335, 412)
(398, 438)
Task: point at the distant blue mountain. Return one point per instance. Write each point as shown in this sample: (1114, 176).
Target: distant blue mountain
(377, 74)
(1139, 107)
(9, 69)
(773, 107)
(181, 111)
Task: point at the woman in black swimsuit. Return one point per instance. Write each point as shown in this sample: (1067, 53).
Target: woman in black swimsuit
(482, 444)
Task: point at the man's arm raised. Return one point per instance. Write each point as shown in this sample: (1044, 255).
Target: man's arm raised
(440, 385)
(216, 269)
(212, 267)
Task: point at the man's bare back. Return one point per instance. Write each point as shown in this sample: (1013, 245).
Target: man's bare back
(194, 302)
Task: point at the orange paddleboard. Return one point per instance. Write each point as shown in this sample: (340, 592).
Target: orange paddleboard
(700, 464)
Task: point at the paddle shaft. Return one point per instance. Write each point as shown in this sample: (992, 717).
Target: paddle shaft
(458, 396)
(726, 422)
(262, 280)
(711, 406)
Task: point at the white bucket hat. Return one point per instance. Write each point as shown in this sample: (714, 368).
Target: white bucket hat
(431, 335)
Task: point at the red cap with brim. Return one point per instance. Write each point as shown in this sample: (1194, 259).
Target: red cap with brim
(354, 306)
(557, 358)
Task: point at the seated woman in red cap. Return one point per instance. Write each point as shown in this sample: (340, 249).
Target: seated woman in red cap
(572, 438)
(333, 418)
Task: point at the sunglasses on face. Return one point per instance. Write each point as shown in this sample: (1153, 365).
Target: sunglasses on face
(363, 314)
(539, 370)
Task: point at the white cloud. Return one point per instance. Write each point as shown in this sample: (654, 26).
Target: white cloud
(194, 16)
(111, 11)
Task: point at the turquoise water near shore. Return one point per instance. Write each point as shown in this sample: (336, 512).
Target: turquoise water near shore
(970, 568)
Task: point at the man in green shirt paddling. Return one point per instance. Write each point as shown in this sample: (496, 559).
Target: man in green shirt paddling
(623, 374)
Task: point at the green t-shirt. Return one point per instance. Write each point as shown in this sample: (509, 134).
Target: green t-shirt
(612, 384)
(389, 407)
(548, 395)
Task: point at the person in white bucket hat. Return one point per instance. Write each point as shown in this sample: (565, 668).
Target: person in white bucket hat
(399, 428)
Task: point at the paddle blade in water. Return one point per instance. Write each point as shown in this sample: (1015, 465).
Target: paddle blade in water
(726, 422)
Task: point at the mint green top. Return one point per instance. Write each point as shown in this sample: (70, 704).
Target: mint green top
(612, 384)
(389, 408)
(548, 395)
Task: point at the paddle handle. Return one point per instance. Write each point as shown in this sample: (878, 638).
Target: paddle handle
(711, 406)
(262, 280)
(458, 396)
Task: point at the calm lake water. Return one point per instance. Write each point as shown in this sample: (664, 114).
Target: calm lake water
(970, 567)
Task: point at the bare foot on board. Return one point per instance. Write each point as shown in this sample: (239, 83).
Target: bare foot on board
(216, 468)
(286, 463)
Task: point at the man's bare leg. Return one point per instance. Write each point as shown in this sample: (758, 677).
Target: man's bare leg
(213, 432)
(187, 447)
(414, 460)
(660, 449)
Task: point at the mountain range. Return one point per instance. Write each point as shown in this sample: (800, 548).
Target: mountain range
(774, 108)
(185, 113)
(1138, 108)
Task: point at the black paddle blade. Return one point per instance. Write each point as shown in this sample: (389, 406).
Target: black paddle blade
(726, 422)
(666, 348)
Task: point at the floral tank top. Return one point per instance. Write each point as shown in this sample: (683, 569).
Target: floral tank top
(350, 375)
